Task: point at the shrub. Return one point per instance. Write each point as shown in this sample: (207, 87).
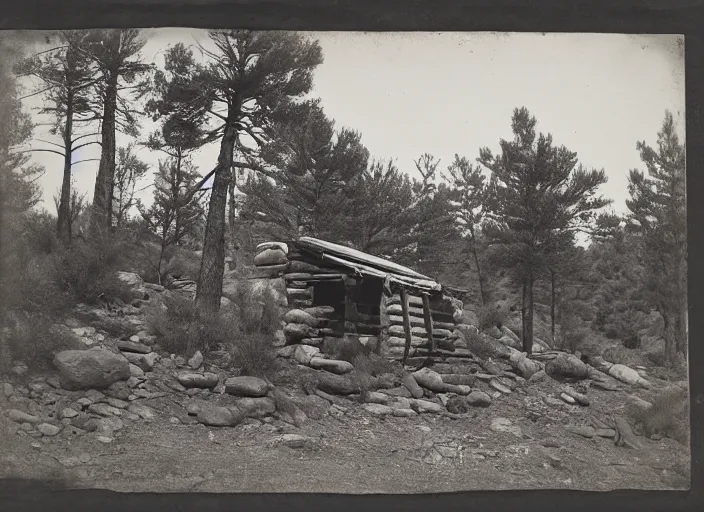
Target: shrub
(632, 341)
(491, 315)
(479, 344)
(119, 328)
(254, 354)
(36, 340)
(668, 416)
(345, 349)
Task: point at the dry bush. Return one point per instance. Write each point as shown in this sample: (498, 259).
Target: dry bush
(119, 328)
(479, 344)
(668, 416)
(345, 349)
(36, 340)
(492, 315)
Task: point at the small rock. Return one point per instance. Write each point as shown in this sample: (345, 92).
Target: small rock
(398, 392)
(605, 432)
(22, 417)
(537, 376)
(104, 410)
(457, 405)
(174, 420)
(215, 416)
(426, 406)
(296, 441)
(109, 425)
(584, 431)
(410, 383)
(404, 413)
(136, 371)
(195, 361)
(497, 385)
(331, 365)
(48, 429)
(198, 380)
(105, 439)
(144, 361)
(143, 411)
(375, 397)
(505, 425)
(550, 443)
(580, 398)
(555, 461)
(304, 353)
(118, 390)
(567, 398)
(7, 389)
(84, 402)
(377, 409)
(68, 413)
(54, 382)
(26, 427)
(84, 458)
(478, 399)
(246, 386)
(117, 403)
(256, 407)
(36, 446)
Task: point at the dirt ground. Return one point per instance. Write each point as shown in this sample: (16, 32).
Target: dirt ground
(349, 450)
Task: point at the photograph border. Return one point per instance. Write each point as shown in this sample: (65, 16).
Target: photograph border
(595, 16)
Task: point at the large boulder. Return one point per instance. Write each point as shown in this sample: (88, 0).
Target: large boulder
(567, 366)
(270, 256)
(337, 384)
(294, 333)
(524, 366)
(429, 379)
(215, 416)
(133, 283)
(297, 316)
(95, 368)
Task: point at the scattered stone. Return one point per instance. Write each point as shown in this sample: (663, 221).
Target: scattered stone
(478, 399)
(628, 375)
(553, 401)
(22, 417)
(524, 366)
(54, 382)
(246, 386)
(105, 439)
(48, 429)
(117, 403)
(304, 353)
(584, 431)
(404, 413)
(104, 410)
(332, 365)
(256, 407)
(398, 392)
(143, 411)
(374, 397)
(459, 379)
(84, 401)
(118, 390)
(215, 416)
(136, 371)
(550, 443)
(377, 409)
(294, 333)
(537, 376)
(426, 406)
(196, 361)
(109, 425)
(85, 423)
(577, 397)
(144, 361)
(505, 425)
(174, 420)
(605, 432)
(567, 398)
(337, 384)
(567, 366)
(7, 389)
(95, 368)
(296, 441)
(197, 380)
(68, 413)
(605, 385)
(298, 316)
(497, 385)
(457, 405)
(133, 346)
(410, 383)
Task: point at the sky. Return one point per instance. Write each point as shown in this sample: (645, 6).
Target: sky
(453, 93)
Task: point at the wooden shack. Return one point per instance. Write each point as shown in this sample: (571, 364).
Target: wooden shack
(345, 292)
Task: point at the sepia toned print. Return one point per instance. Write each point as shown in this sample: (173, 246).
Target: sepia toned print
(240, 261)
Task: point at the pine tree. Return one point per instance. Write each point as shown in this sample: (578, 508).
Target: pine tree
(67, 77)
(250, 75)
(658, 212)
(539, 198)
(129, 169)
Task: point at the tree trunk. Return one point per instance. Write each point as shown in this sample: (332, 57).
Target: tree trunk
(479, 271)
(523, 313)
(102, 197)
(670, 340)
(528, 339)
(552, 305)
(212, 267)
(63, 224)
(231, 216)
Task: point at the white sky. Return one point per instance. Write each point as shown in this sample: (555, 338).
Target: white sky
(447, 93)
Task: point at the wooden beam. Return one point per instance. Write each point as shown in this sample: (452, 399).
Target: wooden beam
(428, 317)
(406, 325)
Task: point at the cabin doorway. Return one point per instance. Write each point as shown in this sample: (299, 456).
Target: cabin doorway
(331, 293)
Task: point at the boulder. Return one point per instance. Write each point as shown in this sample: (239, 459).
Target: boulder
(429, 379)
(136, 371)
(404, 413)
(94, 368)
(22, 417)
(47, 429)
(133, 346)
(133, 283)
(256, 407)
(246, 386)
(143, 411)
(458, 379)
(304, 354)
(628, 375)
(478, 399)
(197, 380)
(567, 366)
(294, 333)
(421, 406)
(298, 316)
(331, 365)
(119, 389)
(144, 361)
(337, 384)
(412, 385)
(537, 376)
(196, 361)
(524, 366)
(270, 256)
(215, 416)
(580, 398)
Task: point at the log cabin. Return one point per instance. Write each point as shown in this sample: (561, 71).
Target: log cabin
(344, 292)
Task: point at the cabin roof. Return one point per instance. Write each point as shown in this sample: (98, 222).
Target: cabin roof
(366, 264)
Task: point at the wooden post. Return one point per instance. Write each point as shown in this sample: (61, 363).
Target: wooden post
(406, 325)
(428, 318)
